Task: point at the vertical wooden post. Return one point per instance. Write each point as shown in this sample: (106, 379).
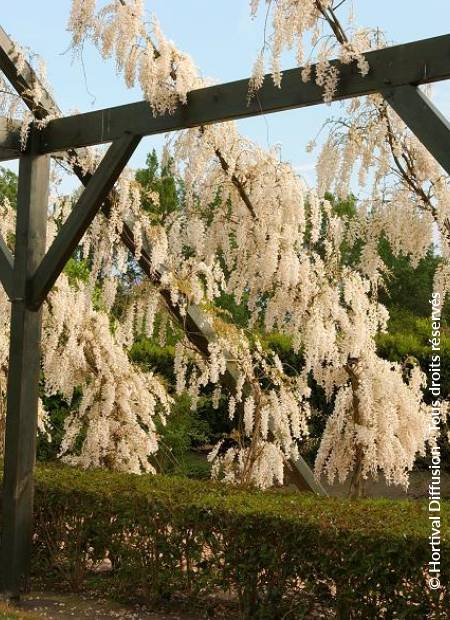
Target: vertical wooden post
(23, 376)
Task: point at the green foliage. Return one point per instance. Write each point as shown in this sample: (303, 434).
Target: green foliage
(346, 209)
(77, 270)
(152, 356)
(157, 179)
(171, 537)
(185, 430)
(408, 287)
(239, 313)
(281, 344)
(48, 447)
(407, 340)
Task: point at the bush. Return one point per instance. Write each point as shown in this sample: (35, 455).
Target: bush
(277, 554)
(183, 431)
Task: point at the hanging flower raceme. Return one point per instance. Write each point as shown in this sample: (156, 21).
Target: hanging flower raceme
(384, 431)
(295, 24)
(269, 424)
(119, 31)
(115, 422)
(119, 404)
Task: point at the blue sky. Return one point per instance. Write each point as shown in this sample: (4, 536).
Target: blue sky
(223, 41)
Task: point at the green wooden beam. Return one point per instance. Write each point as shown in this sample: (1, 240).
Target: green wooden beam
(424, 120)
(411, 63)
(81, 216)
(23, 376)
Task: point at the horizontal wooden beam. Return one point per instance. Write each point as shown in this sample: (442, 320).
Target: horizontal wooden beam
(419, 62)
(81, 216)
(424, 120)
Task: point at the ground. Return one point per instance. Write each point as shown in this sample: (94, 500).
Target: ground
(418, 487)
(52, 606)
(67, 607)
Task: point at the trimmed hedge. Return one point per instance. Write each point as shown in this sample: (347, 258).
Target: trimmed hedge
(275, 554)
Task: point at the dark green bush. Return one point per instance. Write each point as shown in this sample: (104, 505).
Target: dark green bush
(276, 554)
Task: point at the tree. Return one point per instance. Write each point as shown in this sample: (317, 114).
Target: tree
(248, 227)
(8, 185)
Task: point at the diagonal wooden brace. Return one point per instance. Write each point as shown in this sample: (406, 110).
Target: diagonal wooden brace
(81, 216)
(24, 79)
(424, 119)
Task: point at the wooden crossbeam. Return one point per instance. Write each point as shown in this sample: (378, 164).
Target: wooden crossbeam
(81, 216)
(415, 63)
(424, 119)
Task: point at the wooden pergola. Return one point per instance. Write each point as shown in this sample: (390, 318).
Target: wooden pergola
(28, 276)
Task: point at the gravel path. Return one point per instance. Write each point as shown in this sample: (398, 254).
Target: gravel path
(70, 606)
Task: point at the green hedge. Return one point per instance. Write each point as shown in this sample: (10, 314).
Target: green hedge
(275, 554)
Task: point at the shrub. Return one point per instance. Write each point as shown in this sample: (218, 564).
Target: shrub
(278, 554)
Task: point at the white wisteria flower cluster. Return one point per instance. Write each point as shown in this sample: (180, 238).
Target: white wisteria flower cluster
(81, 351)
(300, 26)
(119, 30)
